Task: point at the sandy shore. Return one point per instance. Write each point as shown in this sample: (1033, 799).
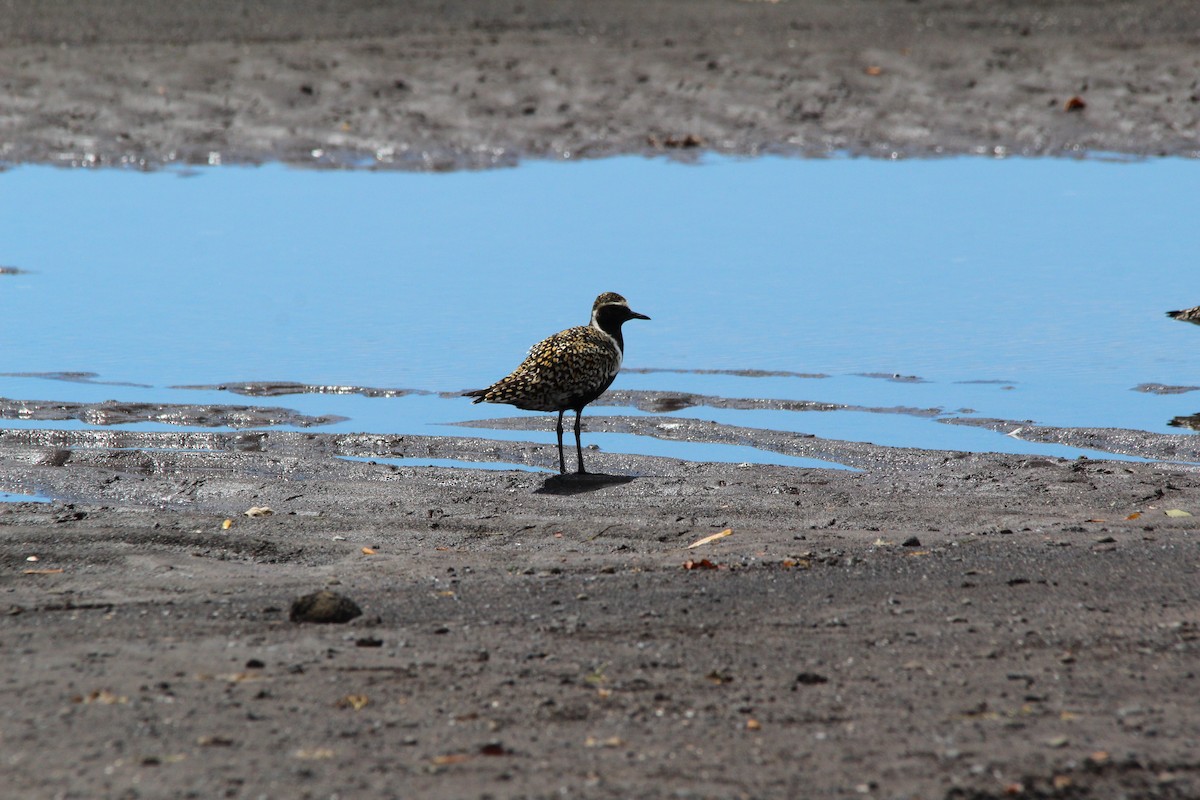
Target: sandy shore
(931, 624)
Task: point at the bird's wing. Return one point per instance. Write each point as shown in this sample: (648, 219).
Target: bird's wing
(562, 366)
(572, 355)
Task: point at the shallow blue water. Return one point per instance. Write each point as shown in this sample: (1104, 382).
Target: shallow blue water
(1047, 279)
(13, 497)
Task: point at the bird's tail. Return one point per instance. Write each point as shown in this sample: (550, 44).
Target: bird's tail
(477, 394)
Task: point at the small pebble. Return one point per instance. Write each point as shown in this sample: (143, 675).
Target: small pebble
(811, 678)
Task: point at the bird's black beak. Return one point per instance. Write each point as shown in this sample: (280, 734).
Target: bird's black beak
(635, 315)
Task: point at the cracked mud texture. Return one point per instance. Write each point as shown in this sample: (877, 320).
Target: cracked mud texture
(934, 624)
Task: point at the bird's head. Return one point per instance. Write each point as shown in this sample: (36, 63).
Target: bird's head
(611, 310)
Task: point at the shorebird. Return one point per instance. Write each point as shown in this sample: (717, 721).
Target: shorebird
(568, 370)
(1186, 315)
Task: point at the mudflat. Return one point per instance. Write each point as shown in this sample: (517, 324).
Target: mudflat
(439, 85)
(928, 624)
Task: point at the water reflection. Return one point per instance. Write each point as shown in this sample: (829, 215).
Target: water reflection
(1019, 289)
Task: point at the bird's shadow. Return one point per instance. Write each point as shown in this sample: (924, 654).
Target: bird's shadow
(580, 482)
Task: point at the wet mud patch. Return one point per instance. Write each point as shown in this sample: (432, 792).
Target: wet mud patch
(855, 455)
(1123, 441)
(737, 373)
(1159, 388)
(280, 388)
(555, 80)
(866, 456)
(894, 377)
(661, 402)
(114, 412)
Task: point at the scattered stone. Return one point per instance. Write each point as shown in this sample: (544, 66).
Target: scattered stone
(214, 741)
(810, 679)
(324, 607)
(911, 541)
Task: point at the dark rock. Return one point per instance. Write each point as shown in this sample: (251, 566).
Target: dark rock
(324, 607)
(810, 679)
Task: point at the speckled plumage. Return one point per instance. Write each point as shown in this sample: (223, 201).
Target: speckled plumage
(1186, 315)
(569, 369)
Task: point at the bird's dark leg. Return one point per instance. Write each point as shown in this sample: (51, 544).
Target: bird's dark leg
(578, 446)
(562, 462)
